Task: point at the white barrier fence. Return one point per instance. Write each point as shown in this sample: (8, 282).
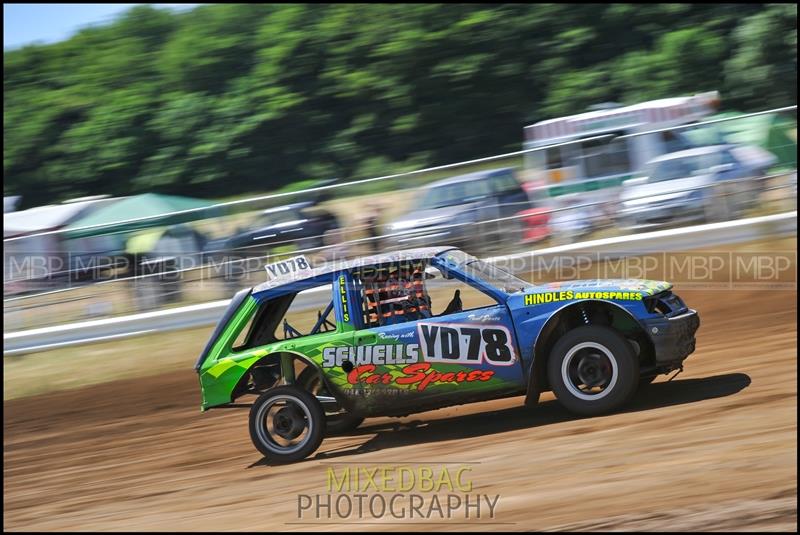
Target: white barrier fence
(680, 239)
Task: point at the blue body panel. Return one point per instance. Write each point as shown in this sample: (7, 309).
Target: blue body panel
(510, 328)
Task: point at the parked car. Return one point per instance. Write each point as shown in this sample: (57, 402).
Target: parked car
(712, 183)
(303, 224)
(385, 343)
(463, 210)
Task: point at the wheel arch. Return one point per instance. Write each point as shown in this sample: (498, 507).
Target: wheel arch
(571, 315)
(278, 358)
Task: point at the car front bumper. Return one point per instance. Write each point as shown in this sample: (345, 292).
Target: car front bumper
(673, 337)
(653, 215)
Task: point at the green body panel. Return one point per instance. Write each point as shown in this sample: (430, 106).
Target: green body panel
(224, 368)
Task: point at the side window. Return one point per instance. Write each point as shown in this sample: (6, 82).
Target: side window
(506, 183)
(304, 319)
(475, 190)
(410, 291)
(604, 158)
(393, 293)
(241, 339)
(553, 158)
(727, 158)
(444, 300)
(287, 317)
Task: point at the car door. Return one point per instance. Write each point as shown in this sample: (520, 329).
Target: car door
(406, 357)
(511, 199)
(486, 210)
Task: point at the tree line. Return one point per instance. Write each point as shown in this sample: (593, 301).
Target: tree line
(230, 99)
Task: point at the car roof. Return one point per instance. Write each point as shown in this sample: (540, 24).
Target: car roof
(696, 151)
(469, 177)
(332, 267)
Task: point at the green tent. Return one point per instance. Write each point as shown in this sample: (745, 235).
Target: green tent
(140, 212)
(773, 132)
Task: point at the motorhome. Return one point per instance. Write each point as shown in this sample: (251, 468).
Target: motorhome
(585, 158)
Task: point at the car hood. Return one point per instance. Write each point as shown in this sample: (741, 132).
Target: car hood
(643, 286)
(433, 216)
(652, 192)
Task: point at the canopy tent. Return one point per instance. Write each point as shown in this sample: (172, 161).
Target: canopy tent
(50, 217)
(773, 132)
(140, 212)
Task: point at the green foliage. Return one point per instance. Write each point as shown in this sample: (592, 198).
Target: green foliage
(228, 99)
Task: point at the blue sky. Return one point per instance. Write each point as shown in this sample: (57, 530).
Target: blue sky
(48, 23)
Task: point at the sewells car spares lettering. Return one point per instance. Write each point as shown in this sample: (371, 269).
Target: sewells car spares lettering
(454, 343)
(420, 375)
(379, 354)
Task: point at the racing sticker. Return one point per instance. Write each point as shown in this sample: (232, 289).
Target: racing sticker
(416, 376)
(294, 265)
(568, 295)
(454, 343)
(379, 354)
(343, 297)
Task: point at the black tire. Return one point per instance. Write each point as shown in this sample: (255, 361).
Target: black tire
(336, 423)
(592, 357)
(302, 409)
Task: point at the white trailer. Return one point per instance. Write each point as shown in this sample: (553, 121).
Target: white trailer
(583, 159)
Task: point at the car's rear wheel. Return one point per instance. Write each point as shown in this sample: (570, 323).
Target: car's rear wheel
(592, 370)
(286, 424)
(338, 422)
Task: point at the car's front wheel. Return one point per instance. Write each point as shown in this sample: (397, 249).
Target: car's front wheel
(286, 424)
(592, 370)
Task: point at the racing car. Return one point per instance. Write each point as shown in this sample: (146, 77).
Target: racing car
(388, 339)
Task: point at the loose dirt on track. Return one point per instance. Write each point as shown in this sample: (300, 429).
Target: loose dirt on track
(715, 449)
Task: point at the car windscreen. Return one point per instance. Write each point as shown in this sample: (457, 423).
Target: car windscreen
(676, 168)
(489, 273)
(454, 194)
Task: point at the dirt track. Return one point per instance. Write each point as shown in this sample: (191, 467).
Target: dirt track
(715, 449)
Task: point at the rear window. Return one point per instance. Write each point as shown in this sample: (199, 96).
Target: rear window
(286, 317)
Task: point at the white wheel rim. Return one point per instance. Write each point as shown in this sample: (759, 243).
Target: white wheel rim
(569, 381)
(266, 437)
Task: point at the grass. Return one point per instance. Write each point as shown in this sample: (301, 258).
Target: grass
(73, 367)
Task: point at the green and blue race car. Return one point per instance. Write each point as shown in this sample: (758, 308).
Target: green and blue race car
(426, 328)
